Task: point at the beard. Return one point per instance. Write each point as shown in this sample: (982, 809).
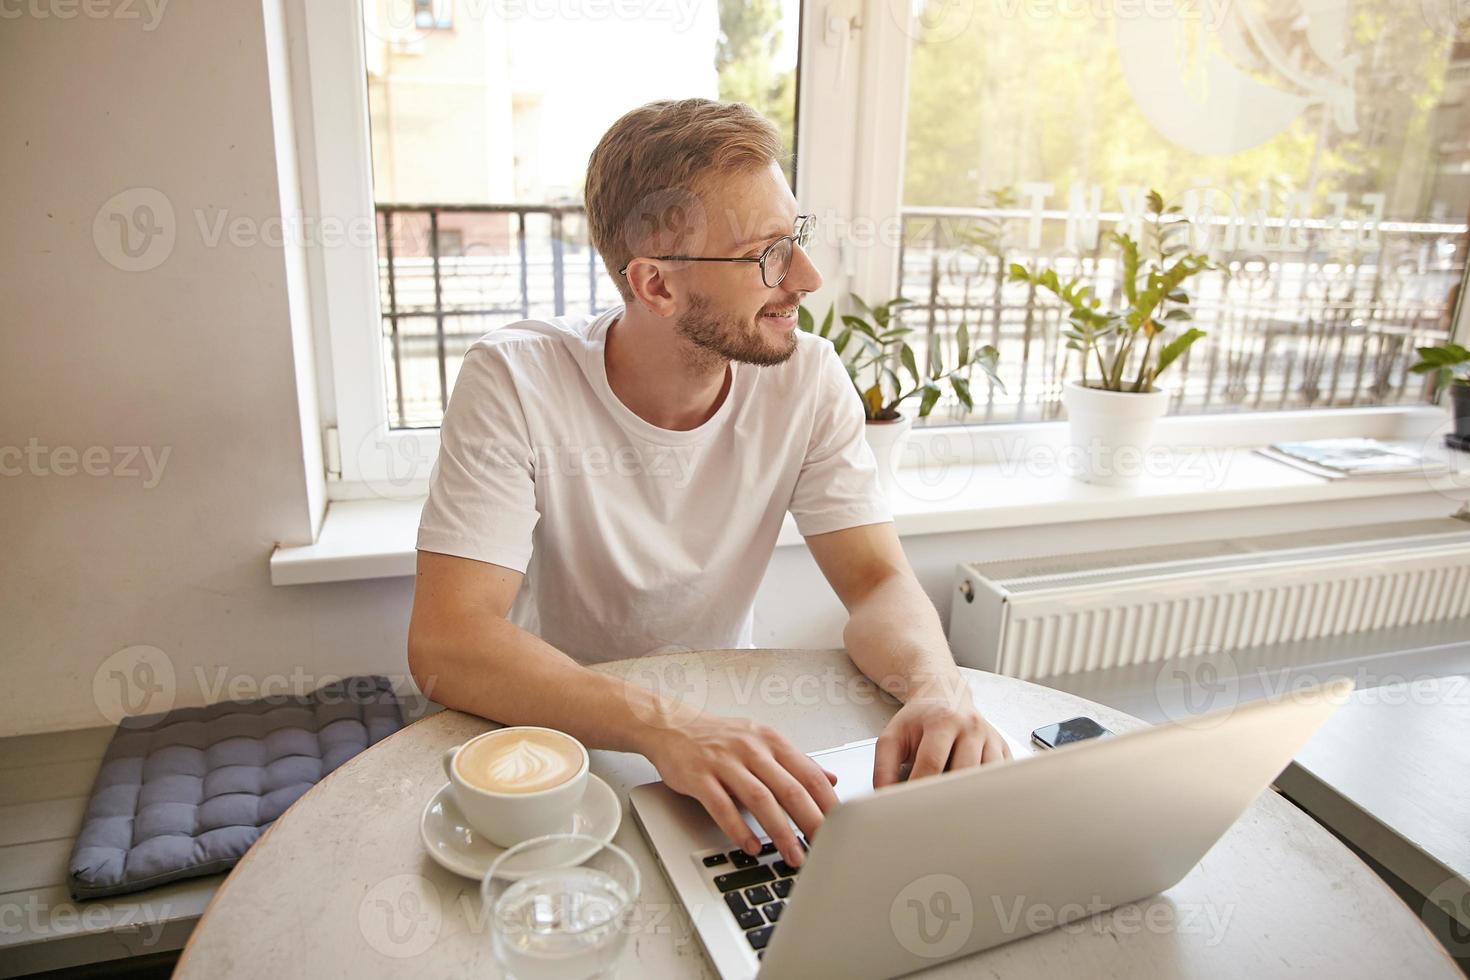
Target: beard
(731, 336)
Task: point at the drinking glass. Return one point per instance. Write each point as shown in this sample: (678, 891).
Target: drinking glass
(559, 907)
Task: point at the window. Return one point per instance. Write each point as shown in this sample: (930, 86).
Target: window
(432, 14)
(1320, 149)
(937, 141)
(480, 139)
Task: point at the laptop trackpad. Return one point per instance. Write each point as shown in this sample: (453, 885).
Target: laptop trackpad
(853, 764)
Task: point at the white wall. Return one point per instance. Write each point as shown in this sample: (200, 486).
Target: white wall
(192, 358)
(195, 358)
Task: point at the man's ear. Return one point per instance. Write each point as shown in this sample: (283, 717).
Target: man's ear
(651, 289)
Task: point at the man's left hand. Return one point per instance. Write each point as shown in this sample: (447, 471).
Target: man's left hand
(938, 729)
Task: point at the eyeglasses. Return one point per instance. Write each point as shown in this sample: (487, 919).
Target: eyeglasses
(775, 261)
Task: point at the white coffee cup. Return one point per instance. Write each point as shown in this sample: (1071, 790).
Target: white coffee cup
(506, 818)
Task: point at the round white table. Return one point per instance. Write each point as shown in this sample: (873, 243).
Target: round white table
(340, 886)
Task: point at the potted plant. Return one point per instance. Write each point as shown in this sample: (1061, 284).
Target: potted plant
(1111, 414)
(872, 347)
(1450, 365)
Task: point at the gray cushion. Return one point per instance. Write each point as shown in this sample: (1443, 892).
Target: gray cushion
(187, 792)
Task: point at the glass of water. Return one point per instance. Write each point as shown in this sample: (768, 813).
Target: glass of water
(560, 907)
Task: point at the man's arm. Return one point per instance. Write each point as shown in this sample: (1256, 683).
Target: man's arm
(466, 655)
(894, 636)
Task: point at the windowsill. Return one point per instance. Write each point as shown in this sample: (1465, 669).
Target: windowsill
(365, 539)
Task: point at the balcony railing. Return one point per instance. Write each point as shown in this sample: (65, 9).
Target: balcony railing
(1289, 328)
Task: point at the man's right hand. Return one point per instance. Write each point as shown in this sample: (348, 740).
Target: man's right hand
(726, 762)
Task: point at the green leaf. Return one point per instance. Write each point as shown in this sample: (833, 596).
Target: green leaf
(962, 341)
(1178, 314)
(936, 361)
(1171, 351)
(842, 340)
(889, 336)
(1129, 249)
(893, 379)
(804, 319)
(910, 363)
(989, 358)
(962, 391)
(827, 320)
(927, 400)
(860, 325)
(1155, 202)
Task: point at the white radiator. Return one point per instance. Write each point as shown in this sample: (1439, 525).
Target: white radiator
(1040, 617)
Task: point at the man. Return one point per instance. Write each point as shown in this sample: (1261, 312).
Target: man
(635, 468)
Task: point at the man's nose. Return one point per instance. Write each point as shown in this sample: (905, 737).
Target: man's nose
(803, 275)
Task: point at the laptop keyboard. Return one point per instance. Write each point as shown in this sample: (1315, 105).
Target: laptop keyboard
(755, 889)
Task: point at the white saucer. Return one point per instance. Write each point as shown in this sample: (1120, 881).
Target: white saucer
(458, 847)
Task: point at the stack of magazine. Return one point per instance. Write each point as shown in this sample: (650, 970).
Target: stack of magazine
(1338, 458)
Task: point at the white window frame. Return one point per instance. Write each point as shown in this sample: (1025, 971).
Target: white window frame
(852, 99)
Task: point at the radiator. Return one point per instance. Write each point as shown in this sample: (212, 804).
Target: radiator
(1034, 618)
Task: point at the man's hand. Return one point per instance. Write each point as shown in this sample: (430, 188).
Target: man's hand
(937, 728)
(724, 762)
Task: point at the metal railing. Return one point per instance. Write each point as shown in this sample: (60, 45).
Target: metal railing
(451, 273)
(1297, 327)
(1307, 322)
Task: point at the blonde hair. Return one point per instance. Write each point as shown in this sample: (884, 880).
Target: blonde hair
(647, 175)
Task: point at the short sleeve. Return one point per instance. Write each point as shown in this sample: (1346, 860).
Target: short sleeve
(482, 490)
(837, 486)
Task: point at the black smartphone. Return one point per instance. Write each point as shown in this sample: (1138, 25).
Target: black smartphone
(1071, 730)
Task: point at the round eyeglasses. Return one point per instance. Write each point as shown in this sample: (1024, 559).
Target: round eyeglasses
(775, 261)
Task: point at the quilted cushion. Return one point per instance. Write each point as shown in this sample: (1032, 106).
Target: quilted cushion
(188, 793)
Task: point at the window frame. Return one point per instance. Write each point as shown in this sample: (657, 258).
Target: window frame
(853, 54)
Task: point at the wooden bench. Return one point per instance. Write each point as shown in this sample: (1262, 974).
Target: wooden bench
(44, 783)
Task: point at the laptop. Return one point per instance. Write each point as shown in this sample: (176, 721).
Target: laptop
(922, 872)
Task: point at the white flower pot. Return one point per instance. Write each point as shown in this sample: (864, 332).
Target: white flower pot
(887, 440)
(1110, 432)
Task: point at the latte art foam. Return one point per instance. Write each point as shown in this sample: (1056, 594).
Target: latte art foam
(520, 762)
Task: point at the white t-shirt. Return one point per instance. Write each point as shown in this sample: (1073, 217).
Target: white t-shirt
(636, 539)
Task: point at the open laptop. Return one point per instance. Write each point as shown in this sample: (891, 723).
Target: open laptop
(919, 873)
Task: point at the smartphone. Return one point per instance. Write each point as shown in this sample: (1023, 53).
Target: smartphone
(1071, 730)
